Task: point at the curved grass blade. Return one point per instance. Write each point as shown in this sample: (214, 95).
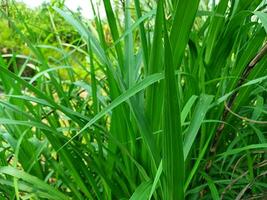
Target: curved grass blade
(35, 182)
(142, 191)
(196, 121)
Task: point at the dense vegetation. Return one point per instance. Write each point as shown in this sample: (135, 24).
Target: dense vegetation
(159, 100)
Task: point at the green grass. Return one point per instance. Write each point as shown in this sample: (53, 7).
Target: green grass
(141, 111)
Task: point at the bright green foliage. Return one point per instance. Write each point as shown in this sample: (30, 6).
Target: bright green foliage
(158, 100)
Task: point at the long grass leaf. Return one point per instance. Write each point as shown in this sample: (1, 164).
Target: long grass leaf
(173, 155)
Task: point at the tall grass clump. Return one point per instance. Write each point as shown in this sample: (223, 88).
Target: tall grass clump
(158, 100)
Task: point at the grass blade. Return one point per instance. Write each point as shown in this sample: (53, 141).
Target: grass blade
(173, 156)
